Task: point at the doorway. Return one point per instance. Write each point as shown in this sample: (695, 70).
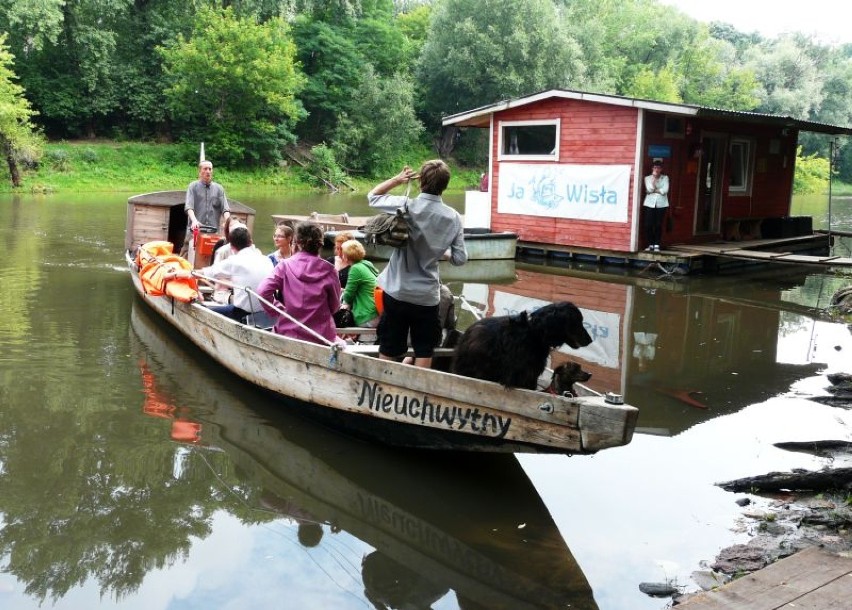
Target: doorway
(707, 210)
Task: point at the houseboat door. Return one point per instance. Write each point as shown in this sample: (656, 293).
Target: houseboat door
(707, 209)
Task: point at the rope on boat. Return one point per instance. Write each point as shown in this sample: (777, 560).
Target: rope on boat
(465, 303)
(335, 347)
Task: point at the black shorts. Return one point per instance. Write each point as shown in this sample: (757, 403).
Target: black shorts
(401, 318)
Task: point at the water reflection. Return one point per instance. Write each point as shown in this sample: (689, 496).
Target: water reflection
(683, 351)
(442, 522)
(100, 491)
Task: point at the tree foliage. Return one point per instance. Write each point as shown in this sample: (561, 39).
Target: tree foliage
(130, 68)
(479, 53)
(19, 142)
(380, 127)
(811, 173)
(234, 85)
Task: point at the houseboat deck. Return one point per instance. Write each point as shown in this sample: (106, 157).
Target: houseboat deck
(693, 258)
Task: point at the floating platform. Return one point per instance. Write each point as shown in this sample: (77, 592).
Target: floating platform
(710, 257)
(814, 579)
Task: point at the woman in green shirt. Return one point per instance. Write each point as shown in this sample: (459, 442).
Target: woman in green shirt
(361, 284)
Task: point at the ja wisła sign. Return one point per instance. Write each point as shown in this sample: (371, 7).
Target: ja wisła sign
(586, 192)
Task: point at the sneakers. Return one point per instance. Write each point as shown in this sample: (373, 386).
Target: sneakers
(656, 247)
(649, 249)
(653, 248)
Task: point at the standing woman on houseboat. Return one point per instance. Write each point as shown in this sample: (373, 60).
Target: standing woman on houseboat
(656, 204)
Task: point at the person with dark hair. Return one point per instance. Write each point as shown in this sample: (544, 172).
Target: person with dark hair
(656, 204)
(245, 267)
(410, 281)
(308, 287)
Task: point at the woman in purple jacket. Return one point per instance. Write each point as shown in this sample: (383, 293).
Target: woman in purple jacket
(308, 287)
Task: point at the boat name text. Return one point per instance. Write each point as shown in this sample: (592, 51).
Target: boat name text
(423, 409)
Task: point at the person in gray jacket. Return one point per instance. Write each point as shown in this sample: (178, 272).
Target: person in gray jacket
(410, 281)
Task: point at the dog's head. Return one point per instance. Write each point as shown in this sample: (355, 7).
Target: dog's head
(566, 375)
(561, 323)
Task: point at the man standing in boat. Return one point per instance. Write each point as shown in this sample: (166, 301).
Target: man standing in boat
(206, 203)
(410, 281)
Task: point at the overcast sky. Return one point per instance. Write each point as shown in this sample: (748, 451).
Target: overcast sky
(824, 18)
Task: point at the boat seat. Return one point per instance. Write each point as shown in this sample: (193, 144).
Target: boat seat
(373, 350)
(260, 319)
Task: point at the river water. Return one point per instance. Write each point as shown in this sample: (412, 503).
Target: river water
(136, 474)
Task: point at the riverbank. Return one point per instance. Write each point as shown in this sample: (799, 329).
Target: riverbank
(105, 166)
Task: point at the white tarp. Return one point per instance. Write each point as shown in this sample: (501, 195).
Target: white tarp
(586, 192)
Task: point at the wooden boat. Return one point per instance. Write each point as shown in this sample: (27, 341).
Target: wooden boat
(481, 244)
(393, 402)
(472, 524)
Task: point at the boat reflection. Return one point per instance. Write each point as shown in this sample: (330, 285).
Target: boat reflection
(676, 348)
(440, 522)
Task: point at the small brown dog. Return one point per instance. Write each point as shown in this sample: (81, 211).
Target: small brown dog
(565, 376)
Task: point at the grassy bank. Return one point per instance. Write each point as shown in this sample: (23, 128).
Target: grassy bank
(136, 167)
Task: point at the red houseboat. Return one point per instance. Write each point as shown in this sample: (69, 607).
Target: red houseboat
(566, 173)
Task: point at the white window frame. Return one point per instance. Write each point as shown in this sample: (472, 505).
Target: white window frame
(745, 160)
(553, 156)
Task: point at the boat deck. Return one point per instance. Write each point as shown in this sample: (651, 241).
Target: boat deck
(813, 579)
(711, 256)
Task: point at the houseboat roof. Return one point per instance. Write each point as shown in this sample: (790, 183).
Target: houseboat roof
(481, 117)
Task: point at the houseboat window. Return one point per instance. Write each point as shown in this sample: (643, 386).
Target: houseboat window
(530, 140)
(741, 164)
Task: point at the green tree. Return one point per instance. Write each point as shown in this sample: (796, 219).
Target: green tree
(478, 53)
(333, 67)
(789, 72)
(234, 85)
(711, 75)
(811, 173)
(18, 139)
(414, 25)
(650, 85)
(380, 128)
(69, 67)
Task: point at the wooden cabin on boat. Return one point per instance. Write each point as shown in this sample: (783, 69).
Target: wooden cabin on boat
(566, 168)
(160, 216)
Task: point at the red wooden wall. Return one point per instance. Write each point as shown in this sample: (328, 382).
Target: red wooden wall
(603, 134)
(592, 133)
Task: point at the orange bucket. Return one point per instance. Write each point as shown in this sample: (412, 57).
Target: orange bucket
(205, 243)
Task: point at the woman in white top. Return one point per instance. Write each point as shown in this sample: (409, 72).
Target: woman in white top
(656, 204)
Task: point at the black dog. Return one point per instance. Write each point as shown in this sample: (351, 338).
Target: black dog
(513, 350)
(565, 376)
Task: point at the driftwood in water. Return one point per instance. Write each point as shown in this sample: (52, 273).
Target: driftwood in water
(827, 449)
(840, 391)
(819, 480)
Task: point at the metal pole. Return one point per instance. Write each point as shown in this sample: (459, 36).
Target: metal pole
(831, 160)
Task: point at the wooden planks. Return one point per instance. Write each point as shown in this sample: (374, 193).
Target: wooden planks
(812, 579)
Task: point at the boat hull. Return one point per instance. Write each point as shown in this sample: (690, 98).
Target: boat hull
(423, 406)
